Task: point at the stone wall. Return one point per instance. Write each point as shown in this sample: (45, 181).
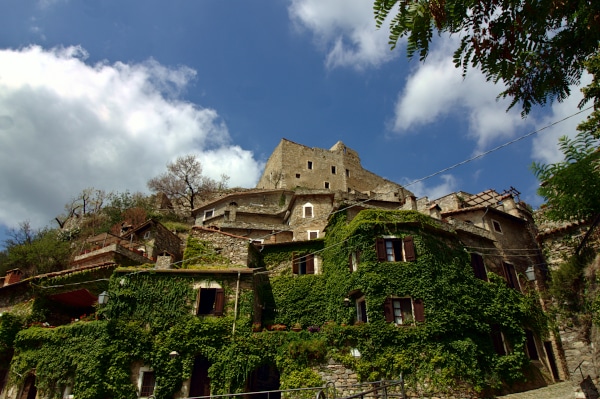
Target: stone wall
(232, 247)
(338, 169)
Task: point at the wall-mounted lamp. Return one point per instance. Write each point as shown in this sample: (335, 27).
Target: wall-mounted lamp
(354, 352)
(530, 273)
(103, 298)
(173, 354)
(347, 302)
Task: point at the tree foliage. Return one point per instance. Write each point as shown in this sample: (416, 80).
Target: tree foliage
(536, 48)
(34, 251)
(184, 183)
(570, 187)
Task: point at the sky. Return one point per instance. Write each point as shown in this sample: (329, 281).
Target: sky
(103, 94)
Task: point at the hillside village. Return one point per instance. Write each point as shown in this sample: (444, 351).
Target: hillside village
(324, 274)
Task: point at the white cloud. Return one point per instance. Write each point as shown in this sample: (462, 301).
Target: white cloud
(346, 30)
(545, 144)
(437, 89)
(66, 125)
(448, 184)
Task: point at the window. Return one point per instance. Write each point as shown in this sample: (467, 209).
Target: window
(478, 266)
(361, 310)
(510, 274)
(147, 235)
(353, 260)
(312, 234)
(333, 170)
(303, 263)
(327, 185)
(307, 210)
(209, 213)
(309, 165)
(210, 302)
(498, 340)
(226, 216)
(297, 175)
(146, 382)
(347, 172)
(497, 227)
(395, 250)
(531, 347)
(403, 311)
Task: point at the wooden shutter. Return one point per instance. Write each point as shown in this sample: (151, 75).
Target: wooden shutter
(380, 247)
(497, 340)
(350, 262)
(511, 276)
(409, 249)
(219, 301)
(419, 310)
(310, 264)
(294, 263)
(388, 310)
(478, 266)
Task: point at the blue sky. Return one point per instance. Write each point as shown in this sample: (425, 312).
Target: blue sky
(104, 93)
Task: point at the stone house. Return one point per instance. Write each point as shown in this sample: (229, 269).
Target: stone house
(135, 246)
(294, 165)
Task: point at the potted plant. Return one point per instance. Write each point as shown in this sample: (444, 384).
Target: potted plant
(296, 327)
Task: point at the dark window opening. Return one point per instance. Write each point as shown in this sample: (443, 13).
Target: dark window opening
(327, 185)
(309, 165)
(148, 382)
(210, 301)
(497, 226)
(303, 264)
(361, 310)
(333, 169)
(347, 172)
(531, 348)
(498, 340)
(478, 267)
(511, 276)
(297, 175)
(395, 249)
(226, 215)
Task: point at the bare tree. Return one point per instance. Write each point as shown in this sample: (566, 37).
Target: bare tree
(184, 182)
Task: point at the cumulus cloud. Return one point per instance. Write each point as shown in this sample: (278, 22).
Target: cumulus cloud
(66, 125)
(345, 29)
(436, 89)
(448, 184)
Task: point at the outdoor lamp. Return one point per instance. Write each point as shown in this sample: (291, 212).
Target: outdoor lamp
(103, 298)
(530, 273)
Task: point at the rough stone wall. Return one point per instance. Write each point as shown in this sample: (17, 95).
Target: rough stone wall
(233, 248)
(338, 168)
(164, 240)
(321, 208)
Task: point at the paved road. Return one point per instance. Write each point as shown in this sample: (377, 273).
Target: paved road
(561, 390)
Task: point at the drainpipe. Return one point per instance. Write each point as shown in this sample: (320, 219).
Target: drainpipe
(487, 208)
(237, 296)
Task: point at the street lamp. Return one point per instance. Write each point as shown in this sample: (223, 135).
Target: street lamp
(103, 298)
(530, 273)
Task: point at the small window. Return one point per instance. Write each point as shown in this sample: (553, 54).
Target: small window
(327, 185)
(510, 274)
(478, 266)
(347, 172)
(303, 264)
(497, 227)
(532, 351)
(403, 311)
(209, 213)
(353, 260)
(312, 234)
(307, 211)
(498, 340)
(395, 249)
(147, 383)
(309, 165)
(333, 170)
(226, 216)
(297, 175)
(147, 235)
(210, 302)
(361, 310)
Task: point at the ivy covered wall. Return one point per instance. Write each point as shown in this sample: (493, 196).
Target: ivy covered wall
(150, 314)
